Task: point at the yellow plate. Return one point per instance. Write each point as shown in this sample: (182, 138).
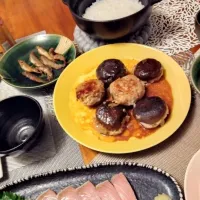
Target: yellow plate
(83, 64)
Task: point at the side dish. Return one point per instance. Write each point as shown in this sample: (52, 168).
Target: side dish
(42, 67)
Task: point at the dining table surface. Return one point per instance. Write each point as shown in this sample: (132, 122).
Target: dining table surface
(26, 17)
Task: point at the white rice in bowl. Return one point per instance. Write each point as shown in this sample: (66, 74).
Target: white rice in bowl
(103, 10)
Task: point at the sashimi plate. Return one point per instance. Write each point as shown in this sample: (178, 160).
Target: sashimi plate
(146, 180)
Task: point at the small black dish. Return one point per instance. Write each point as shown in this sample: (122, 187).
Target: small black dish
(21, 124)
(111, 29)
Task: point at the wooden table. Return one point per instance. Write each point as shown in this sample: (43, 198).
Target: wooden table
(25, 17)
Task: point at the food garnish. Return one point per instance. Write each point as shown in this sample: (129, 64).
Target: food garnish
(162, 197)
(10, 196)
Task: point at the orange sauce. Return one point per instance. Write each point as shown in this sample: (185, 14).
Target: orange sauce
(85, 118)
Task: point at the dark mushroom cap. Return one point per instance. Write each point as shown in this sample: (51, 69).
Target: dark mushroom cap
(148, 69)
(109, 70)
(110, 115)
(150, 110)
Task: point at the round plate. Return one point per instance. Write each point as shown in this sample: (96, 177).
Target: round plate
(192, 178)
(9, 66)
(83, 64)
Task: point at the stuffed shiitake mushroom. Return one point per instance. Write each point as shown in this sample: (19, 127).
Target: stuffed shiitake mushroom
(109, 70)
(111, 119)
(149, 70)
(151, 112)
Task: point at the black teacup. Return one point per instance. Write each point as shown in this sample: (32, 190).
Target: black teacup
(21, 123)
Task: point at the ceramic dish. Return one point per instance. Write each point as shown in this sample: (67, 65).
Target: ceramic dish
(10, 69)
(195, 74)
(147, 181)
(192, 178)
(84, 64)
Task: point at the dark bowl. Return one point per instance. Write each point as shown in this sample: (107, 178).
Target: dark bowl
(197, 18)
(111, 29)
(195, 74)
(21, 124)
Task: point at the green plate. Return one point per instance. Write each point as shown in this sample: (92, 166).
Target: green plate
(10, 69)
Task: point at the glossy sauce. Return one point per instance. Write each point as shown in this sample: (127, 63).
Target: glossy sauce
(84, 116)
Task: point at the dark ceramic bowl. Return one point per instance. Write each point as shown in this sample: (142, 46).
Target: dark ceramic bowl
(111, 29)
(195, 74)
(21, 124)
(197, 18)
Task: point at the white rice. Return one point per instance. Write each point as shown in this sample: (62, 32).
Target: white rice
(103, 10)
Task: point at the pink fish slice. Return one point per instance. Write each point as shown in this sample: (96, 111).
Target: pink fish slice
(47, 195)
(87, 192)
(106, 191)
(123, 187)
(69, 193)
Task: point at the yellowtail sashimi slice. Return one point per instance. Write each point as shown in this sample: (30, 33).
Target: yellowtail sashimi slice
(106, 191)
(123, 187)
(69, 193)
